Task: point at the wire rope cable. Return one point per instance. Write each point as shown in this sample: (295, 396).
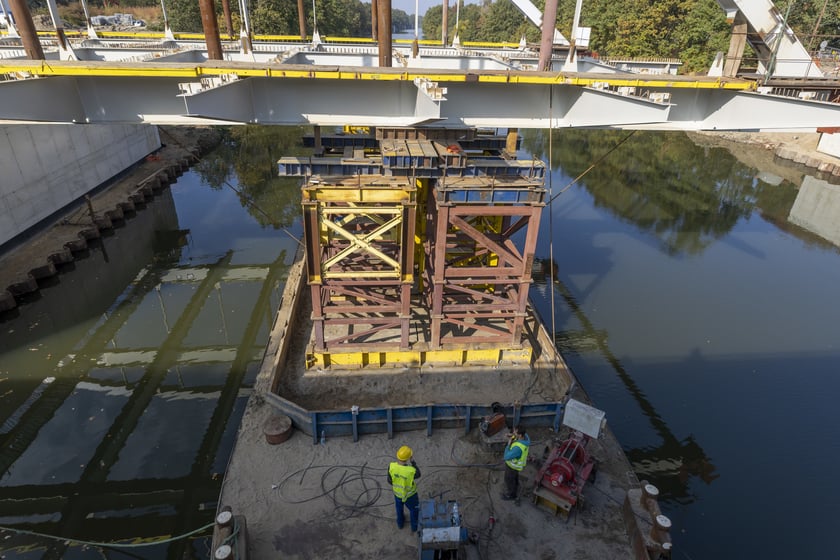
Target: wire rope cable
(591, 166)
(109, 544)
(551, 217)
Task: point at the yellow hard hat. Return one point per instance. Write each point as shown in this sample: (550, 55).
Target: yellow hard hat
(404, 453)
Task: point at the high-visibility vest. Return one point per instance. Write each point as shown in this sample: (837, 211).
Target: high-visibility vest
(402, 480)
(519, 463)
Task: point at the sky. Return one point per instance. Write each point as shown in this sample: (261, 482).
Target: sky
(408, 5)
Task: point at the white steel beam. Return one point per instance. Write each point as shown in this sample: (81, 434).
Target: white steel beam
(225, 92)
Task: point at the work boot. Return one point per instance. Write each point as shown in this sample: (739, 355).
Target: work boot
(507, 498)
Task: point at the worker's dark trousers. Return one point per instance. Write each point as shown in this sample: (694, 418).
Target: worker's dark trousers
(413, 505)
(511, 482)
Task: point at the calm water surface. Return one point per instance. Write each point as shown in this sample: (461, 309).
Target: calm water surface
(705, 323)
(695, 298)
(123, 384)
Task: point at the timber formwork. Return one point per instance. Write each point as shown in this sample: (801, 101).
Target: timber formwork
(419, 249)
(360, 258)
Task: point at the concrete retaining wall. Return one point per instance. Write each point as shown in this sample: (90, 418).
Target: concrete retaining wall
(43, 168)
(816, 207)
(829, 144)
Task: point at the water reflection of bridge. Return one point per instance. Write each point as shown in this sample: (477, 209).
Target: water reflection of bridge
(194, 346)
(673, 462)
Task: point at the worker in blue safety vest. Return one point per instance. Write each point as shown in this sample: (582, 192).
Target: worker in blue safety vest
(402, 475)
(516, 456)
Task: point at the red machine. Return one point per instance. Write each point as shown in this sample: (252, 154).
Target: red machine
(564, 473)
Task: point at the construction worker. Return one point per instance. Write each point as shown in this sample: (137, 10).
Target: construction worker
(401, 476)
(516, 456)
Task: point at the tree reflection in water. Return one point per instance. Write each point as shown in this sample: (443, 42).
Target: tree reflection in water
(660, 182)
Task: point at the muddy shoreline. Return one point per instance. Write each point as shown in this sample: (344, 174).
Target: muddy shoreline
(785, 154)
(71, 234)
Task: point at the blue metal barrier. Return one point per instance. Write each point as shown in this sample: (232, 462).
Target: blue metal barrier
(357, 422)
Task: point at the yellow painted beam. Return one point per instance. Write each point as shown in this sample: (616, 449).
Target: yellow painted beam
(186, 70)
(457, 357)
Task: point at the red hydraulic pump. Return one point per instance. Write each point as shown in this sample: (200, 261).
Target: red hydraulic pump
(565, 472)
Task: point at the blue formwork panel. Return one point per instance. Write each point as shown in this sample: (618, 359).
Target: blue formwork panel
(341, 141)
(349, 423)
(412, 172)
(491, 143)
(495, 168)
(407, 418)
(409, 154)
(494, 196)
(302, 167)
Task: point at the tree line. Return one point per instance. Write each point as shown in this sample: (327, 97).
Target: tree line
(342, 18)
(690, 30)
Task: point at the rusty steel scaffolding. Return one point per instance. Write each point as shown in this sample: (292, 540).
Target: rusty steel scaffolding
(479, 255)
(359, 239)
(431, 253)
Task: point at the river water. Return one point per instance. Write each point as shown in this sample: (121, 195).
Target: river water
(694, 296)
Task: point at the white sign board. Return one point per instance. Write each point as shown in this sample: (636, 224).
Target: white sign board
(583, 418)
(582, 36)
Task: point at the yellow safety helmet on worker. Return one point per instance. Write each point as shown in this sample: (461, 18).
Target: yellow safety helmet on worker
(404, 453)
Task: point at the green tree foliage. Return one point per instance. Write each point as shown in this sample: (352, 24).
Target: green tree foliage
(400, 20)
(184, 16)
(814, 21)
(342, 18)
(470, 23)
(275, 17)
(691, 30)
(433, 22)
(702, 33)
(246, 161)
(660, 182)
(502, 21)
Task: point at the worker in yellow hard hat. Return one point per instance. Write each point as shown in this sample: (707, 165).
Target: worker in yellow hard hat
(402, 475)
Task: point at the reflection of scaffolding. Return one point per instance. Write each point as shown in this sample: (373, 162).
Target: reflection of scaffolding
(683, 458)
(79, 503)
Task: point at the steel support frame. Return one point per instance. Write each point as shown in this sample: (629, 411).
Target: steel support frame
(485, 301)
(360, 262)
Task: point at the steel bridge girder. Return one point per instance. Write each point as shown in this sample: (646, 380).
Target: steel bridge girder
(133, 94)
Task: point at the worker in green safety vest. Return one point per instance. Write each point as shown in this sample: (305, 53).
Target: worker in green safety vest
(402, 475)
(516, 456)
